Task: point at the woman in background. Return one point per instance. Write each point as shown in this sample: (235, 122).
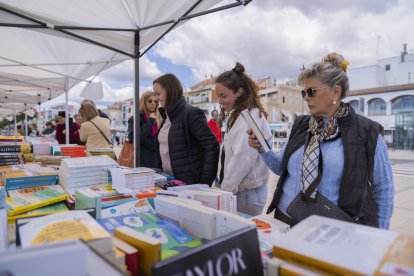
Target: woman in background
(242, 171)
(61, 129)
(188, 148)
(95, 130)
(149, 120)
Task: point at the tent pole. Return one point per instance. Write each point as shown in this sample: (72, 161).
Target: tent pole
(25, 125)
(15, 122)
(67, 112)
(137, 128)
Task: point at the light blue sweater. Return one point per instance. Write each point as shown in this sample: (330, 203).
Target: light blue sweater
(333, 164)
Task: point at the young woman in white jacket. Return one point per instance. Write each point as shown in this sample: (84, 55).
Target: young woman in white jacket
(241, 170)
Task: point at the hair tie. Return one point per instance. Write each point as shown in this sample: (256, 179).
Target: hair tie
(344, 65)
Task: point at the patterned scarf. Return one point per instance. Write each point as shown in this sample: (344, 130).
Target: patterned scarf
(320, 132)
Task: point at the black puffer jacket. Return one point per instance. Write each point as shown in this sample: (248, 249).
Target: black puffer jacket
(148, 151)
(193, 148)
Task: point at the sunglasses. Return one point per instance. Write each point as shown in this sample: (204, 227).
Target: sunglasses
(152, 101)
(310, 92)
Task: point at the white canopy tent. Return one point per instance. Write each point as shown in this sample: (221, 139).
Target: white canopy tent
(70, 41)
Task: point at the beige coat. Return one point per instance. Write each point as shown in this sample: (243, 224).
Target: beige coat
(92, 136)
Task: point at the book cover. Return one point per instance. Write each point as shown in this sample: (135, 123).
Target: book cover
(133, 207)
(23, 200)
(132, 220)
(45, 210)
(252, 124)
(65, 226)
(335, 246)
(170, 234)
(149, 248)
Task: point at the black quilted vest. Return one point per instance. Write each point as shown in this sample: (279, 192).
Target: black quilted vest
(359, 137)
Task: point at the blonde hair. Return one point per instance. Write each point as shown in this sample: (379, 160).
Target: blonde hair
(331, 71)
(143, 107)
(87, 112)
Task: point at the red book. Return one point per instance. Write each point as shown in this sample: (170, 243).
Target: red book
(131, 254)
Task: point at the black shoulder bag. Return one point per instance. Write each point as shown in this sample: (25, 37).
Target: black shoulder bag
(304, 206)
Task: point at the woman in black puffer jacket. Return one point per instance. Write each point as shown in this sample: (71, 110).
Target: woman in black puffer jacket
(188, 148)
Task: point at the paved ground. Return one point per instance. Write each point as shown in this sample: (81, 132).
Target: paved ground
(403, 171)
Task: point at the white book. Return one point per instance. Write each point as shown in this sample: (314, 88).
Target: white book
(65, 258)
(198, 221)
(187, 187)
(4, 237)
(90, 161)
(251, 123)
(344, 247)
(208, 199)
(167, 207)
(229, 202)
(227, 222)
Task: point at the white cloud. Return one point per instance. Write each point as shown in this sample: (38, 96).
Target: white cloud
(276, 37)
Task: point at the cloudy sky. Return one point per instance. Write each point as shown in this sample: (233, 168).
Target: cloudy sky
(271, 38)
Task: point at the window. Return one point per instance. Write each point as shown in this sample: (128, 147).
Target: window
(377, 107)
(283, 99)
(355, 105)
(403, 104)
(388, 67)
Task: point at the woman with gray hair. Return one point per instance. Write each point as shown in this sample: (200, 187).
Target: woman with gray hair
(335, 163)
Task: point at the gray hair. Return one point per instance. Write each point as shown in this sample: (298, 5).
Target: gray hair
(331, 71)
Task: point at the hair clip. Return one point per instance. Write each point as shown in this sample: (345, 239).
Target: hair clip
(345, 64)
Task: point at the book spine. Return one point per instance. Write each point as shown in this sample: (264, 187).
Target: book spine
(312, 263)
(26, 208)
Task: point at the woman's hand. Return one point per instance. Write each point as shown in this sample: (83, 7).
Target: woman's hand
(253, 142)
(152, 115)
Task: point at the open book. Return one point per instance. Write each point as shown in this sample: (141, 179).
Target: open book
(251, 123)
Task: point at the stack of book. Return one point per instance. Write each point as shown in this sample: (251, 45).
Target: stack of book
(327, 246)
(16, 153)
(27, 175)
(85, 171)
(42, 145)
(8, 139)
(49, 160)
(139, 178)
(73, 150)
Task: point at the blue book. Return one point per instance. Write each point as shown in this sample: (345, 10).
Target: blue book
(129, 220)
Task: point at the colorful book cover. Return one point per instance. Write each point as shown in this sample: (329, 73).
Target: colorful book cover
(65, 226)
(130, 220)
(46, 210)
(170, 234)
(174, 251)
(136, 206)
(23, 200)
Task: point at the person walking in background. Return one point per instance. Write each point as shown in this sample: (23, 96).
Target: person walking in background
(61, 129)
(242, 171)
(49, 130)
(94, 131)
(215, 124)
(149, 120)
(188, 148)
(341, 153)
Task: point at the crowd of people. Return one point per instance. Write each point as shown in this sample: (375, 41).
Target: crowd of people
(334, 157)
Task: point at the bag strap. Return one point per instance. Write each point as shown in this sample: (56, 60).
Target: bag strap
(109, 142)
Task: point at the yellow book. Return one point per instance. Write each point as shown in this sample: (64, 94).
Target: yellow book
(24, 200)
(149, 248)
(45, 210)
